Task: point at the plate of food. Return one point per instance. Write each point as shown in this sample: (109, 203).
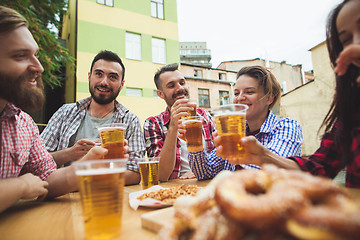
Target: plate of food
(158, 197)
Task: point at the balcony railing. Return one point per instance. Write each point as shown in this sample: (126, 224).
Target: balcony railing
(197, 52)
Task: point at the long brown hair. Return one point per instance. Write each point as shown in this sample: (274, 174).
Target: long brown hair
(346, 99)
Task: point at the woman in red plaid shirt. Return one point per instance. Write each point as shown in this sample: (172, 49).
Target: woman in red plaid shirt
(340, 145)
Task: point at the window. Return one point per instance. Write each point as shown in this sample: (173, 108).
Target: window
(155, 94)
(157, 8)
(204, 99)
(109, 3)
(134, 92)
(198, 73)
(224, 97)
(222, 76)
(133, 46)
(158, 51)
(283, 87)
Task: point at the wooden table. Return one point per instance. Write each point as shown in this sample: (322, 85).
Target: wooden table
(61, 218)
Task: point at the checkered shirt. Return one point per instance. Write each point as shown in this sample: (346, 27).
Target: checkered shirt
(281, 136)
(156, 128)
(326, 160)
(22, 150)
(67, 119)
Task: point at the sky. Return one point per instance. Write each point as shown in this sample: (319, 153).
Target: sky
(277, 30)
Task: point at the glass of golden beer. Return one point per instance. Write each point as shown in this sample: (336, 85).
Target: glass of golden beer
(193, 135)
(112, 138)
(149, 171)
(101, 185)
(230, 125)
(193, 103)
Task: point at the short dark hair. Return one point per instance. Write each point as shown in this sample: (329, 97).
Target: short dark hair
(108, 56)
(10, 20)
(168, 68)
(266, 79)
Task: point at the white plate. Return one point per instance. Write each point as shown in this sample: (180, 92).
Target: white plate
(148, 202)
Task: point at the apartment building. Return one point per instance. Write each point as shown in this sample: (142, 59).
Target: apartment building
(210, 86)
(289, 76)
(144, 33)
(195, 53)
(309, 103)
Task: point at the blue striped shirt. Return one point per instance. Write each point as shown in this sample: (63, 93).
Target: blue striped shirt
(282, 136)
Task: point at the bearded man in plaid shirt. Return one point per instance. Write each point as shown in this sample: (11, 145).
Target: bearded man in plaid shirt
(161, 131)
(72, 130)
(27, 170)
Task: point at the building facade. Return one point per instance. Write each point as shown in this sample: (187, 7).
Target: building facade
(144, 33)
(195, 53)
(289, 76)
(211, 87)
(309, 103)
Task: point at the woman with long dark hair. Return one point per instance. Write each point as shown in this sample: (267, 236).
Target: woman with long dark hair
(340, 145)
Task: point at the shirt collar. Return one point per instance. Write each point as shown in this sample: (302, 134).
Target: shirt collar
(84, 104)
(269, 121)
(9, 111)
(266, 126)
(167, 116)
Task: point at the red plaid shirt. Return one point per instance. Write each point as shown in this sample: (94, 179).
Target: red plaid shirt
(156, 128)
(326, 160)
(22, 150)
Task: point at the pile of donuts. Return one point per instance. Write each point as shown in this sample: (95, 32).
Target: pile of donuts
(271, 203)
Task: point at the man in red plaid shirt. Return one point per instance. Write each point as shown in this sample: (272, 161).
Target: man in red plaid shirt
(25, 163)
(161, 131)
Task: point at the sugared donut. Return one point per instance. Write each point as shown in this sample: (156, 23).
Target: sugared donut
(252, 198)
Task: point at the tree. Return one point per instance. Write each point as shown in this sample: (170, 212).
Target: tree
(45, 23)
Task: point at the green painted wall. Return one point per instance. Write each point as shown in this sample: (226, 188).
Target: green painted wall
(97, 31)
(91, 34)
(114, 39)
(143, 7)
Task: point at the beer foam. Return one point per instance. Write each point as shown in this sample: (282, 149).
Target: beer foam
(229, 114)
(147, 162)
(99, 171)
(192, 121)
(110, 128)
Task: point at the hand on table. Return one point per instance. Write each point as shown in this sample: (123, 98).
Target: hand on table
(34, 187)
(189, 174)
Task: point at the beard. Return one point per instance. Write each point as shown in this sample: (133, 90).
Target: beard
(171, 100)
(103, 99)
(17, 91)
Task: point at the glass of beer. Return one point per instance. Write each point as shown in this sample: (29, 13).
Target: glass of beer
(193, 135)
(112, 138)
(101, 186)
(193, 103)
(230, 125)
(149, 171)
